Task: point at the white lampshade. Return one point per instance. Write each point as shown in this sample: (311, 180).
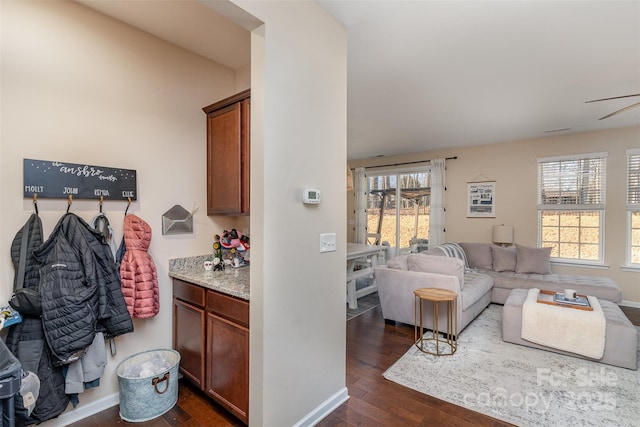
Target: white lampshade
(503, 234)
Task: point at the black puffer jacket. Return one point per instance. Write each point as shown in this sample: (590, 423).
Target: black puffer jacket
(80, 289)
(26, 339)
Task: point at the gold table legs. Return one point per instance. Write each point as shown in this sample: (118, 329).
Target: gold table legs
(434, 344)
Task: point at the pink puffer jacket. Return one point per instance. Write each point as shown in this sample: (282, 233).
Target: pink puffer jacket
(138, 275)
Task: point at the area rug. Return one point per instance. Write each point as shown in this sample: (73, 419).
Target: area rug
(522, 385)
(366, 303)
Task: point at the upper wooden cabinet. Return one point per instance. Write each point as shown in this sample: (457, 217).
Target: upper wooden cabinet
(228, 154)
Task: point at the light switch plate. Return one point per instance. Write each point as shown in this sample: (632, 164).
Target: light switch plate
(327, 242)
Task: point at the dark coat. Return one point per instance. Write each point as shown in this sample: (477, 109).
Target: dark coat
(26, 339)
(80, 289)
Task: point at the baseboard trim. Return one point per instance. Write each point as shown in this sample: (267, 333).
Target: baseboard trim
(633, 304)
(324, 409)
(83, 411)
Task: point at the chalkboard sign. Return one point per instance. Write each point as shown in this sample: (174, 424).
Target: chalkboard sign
(60, 180)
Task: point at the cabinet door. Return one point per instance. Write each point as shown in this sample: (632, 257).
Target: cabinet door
(189, 340)
(224, 158)
(228, 365)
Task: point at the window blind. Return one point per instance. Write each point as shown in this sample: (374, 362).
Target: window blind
(633, 178)
(571, 183)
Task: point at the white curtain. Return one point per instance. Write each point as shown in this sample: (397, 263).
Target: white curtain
(362, 195)
(436, 219)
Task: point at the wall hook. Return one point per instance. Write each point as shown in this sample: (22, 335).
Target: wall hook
(35, 202)
(128, 204)
(101, 200)
(69, 202)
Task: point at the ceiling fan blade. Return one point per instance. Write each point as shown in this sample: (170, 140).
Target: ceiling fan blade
(637, 104)
(615, 97)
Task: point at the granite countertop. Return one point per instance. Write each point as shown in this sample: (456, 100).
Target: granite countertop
(231, 281)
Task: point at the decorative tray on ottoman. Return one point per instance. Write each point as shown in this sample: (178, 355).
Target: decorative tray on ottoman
(558, 298)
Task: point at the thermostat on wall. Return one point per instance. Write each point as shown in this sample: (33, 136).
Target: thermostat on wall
(310, 196)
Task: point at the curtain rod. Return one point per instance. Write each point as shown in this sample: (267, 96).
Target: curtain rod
(407, 163)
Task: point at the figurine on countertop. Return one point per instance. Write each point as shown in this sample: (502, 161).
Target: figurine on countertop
(234, 239)
(232, 248)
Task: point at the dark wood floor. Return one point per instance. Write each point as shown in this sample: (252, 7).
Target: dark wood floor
(633, 314)
(372, 347)
(193, 409)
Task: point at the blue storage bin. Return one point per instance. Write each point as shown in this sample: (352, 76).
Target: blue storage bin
(148, 383)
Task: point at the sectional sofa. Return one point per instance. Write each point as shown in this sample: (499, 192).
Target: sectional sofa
(523, 267)
(480, 273)
(406, 273)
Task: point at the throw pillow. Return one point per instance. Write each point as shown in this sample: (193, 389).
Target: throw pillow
(453, 250)
(504, 259)
(478, 255)
(533, 260)
(435, 251)
(438, 265)
(398, 263)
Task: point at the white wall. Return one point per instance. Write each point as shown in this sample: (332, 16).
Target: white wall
(514, 168)
(243, 78)
(80, 87)
(298, 140)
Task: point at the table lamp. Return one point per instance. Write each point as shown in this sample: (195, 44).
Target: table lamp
(503, 234)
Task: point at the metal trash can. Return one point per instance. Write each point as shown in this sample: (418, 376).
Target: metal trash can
(10, 380)
(148, 383)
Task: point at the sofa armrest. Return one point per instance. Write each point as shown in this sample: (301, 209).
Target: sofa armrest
(395, 289)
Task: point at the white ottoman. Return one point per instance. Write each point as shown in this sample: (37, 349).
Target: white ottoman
(621, 340)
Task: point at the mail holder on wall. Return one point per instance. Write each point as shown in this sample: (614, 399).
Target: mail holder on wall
(177, 220)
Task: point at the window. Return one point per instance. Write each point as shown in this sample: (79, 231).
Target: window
(571, 201)
(398, 208)
(633, 207)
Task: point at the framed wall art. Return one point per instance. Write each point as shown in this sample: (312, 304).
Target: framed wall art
(481, 199)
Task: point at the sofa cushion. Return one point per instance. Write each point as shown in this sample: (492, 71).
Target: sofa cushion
(437, 264)
(475, 286)
(398, 262)
(504, 259)
(478, 255)
(533, 260)
(599, 287)
(436, 250)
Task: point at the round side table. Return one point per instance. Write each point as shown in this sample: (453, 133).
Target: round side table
(447, 345)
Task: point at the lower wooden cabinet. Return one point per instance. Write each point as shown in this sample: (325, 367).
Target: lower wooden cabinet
(189, 340)
(211, 333)
(228, 365)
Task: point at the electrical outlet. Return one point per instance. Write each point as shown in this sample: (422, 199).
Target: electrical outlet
(328, 242)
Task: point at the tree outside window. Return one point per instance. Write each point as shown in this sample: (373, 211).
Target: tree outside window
(571, 201)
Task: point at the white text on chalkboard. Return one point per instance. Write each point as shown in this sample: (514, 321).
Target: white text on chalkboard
(33, 188)
(70, 190)
(79, 171)
(54, 179)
